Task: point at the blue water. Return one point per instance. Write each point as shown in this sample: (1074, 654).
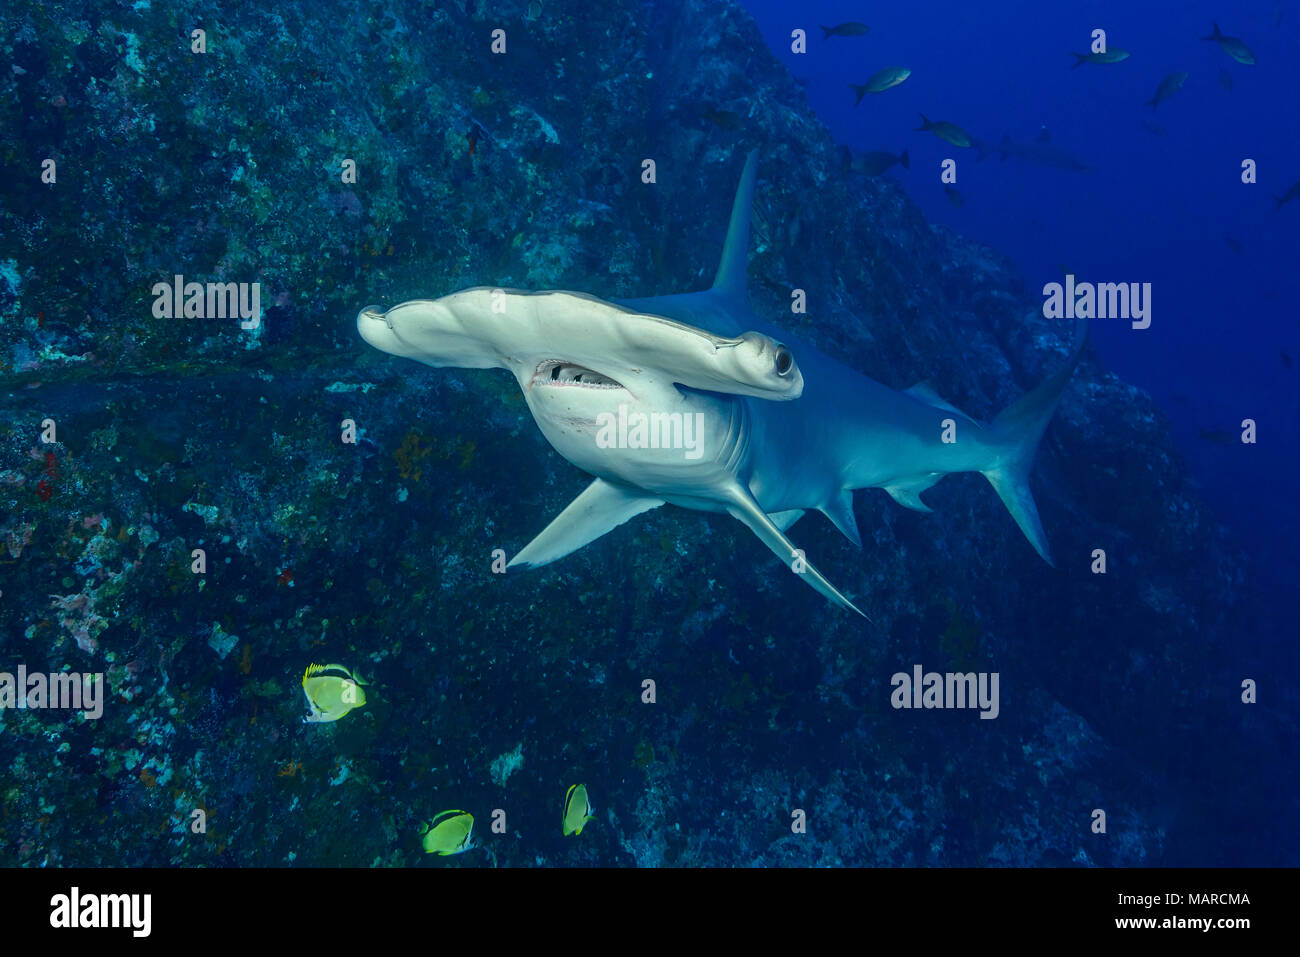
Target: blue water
(1153, 208)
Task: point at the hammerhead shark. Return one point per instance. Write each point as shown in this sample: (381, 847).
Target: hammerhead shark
(691, 400)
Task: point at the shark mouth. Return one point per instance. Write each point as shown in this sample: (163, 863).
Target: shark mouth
(557, 372)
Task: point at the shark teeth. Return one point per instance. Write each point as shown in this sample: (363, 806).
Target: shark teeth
(557, 372)
(583, 385)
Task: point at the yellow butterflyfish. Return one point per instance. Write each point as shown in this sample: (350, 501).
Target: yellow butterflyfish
(577, 810)
(331, 691)
(449, 833)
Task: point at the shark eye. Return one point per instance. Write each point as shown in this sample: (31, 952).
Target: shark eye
(784, 361)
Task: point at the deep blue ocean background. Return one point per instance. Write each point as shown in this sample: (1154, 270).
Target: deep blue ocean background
(1163, 202)
(1153, 208)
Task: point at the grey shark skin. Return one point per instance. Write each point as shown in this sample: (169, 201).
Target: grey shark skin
(783, 428)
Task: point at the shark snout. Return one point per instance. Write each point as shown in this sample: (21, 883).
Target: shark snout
(459, 330)
(372, 313)
(375, 325)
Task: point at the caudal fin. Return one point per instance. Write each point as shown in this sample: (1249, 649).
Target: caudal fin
(1216, 35)
(904, 160)
(1021, 426)
(1079, 59)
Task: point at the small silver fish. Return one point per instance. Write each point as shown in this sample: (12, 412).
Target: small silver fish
(1232, 46)
(850, 29)
(1167, 88)
(880, 81)
(1106, 56)
(949, 132)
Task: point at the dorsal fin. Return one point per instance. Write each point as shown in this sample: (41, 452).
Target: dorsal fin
(730, 279)
(925, 393)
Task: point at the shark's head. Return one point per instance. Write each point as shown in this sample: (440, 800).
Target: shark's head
(633, 423)
(620, 394)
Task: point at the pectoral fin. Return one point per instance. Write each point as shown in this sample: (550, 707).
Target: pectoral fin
(602, 507)
(743, 508)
